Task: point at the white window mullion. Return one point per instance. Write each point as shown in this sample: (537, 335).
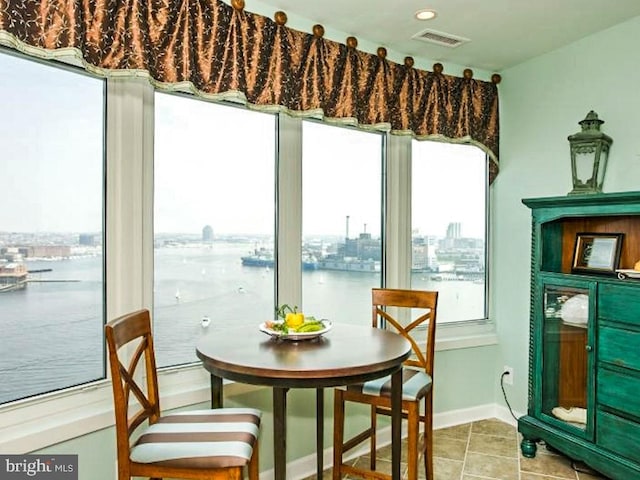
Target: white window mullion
(398, 213)
(289, 202)
(129, 241)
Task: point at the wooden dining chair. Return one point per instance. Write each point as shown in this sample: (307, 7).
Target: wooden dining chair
(198, 444)
(417, 384)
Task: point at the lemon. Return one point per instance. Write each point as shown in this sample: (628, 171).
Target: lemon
(294, 320)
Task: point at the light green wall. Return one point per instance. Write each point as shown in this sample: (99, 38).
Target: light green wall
(96, 454)
(542, 101)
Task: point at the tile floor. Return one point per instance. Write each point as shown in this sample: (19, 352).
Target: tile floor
(486, 450)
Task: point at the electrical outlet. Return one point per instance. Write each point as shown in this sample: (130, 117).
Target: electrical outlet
(508, 378)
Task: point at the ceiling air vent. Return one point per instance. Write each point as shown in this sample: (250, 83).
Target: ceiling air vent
(440, 38)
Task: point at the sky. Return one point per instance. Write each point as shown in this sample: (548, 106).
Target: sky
(342, 175)
(214, 165)
(448, 186)
(52, 141)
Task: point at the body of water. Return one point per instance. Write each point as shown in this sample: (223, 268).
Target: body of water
(52, 331)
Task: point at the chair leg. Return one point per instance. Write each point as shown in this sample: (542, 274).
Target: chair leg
(373, 439)
(254, 463)
(428, 436)
(338, 432)
(413, 427)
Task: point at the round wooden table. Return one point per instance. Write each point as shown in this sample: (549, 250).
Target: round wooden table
(347, 354)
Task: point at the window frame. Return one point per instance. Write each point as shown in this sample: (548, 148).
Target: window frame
(218, 107)
(398, 249)
(38, 422)
(23, 421)
(472, 332)
(383, 138)
(79, 71)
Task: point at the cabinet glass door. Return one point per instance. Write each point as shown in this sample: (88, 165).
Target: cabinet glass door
(566, 357)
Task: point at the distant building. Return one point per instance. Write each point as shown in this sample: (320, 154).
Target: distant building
(45, 251)
(364, 248)
(454, 233)
(207, 234)
(454, 230)
(424, 254)
(87, 239)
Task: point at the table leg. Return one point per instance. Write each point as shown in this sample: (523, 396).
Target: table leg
(216, 392)
(396, 419)
(280, 433)
(319, 432)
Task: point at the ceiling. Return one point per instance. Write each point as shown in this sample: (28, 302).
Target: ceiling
(502, 33)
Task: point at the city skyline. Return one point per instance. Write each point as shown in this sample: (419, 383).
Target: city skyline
(197, 232)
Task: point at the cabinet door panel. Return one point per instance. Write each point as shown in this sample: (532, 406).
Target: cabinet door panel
(565, 338)
(619, 347)
(619, 303)
(618, 435)
(619, 391)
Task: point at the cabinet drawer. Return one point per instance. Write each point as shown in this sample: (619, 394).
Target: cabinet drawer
(619, 303)
(619, 347)
(618, 435)
(619, 391)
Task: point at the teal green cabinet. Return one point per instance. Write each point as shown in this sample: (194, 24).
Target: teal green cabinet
(584, 355)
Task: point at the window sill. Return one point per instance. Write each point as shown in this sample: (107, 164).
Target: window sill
(31, 424)
(466, 335)
(471, 341)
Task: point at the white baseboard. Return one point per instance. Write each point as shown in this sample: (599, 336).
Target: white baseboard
(468, 415)
(306, 466)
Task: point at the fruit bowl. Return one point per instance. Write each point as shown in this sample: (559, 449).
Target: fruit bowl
(295, 336)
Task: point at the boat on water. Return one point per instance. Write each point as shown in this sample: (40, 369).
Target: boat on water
(260, 258)
(13, 276)
(264, 258)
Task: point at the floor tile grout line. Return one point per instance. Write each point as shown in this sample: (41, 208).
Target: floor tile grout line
(494, 435)
(466, 451)
(485, 478)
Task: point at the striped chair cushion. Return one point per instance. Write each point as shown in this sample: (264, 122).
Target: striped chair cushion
(415, 385)
(204, 439)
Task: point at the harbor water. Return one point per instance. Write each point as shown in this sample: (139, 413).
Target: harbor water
(52, 330)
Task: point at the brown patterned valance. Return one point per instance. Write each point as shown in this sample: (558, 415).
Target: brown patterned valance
(219, 51)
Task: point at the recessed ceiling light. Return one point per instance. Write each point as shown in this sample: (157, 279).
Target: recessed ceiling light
(425, 14)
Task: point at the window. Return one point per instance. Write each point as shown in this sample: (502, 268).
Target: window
(214, 221)
(341, 218)
(214, 204)
(51, 236)
(449, 236)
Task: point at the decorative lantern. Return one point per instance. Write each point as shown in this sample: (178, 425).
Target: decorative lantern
(589, 153)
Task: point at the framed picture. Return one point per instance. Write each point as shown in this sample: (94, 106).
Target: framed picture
(597, 252)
